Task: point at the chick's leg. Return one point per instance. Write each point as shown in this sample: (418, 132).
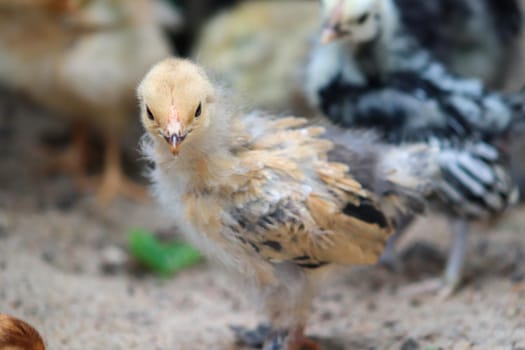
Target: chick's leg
(298, 341)
(73, 159)
(289, 306)
(114, 181)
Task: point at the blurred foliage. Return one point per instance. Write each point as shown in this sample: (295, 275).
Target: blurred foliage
(165, 259)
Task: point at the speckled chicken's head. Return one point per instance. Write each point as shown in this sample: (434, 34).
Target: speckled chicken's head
(357, 21)
(175, 96)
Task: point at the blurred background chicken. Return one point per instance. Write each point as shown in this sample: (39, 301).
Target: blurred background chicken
(258, 49)
(16, 334)
(82, 60)
(373, 72)
(270, 198)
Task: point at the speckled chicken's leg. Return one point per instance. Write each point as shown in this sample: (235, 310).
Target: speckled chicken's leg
(445, 286)
(454, 268)
(114, 181)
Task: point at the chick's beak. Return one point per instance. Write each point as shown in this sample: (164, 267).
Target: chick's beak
(332, 29)
(174, 134)
(174, 142)
(329, 34)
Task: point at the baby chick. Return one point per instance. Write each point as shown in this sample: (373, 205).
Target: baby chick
(373, 73)
(16, 334)
(83, 60)
(270, 198)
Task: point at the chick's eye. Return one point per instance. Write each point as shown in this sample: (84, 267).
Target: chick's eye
(198, 111)
(150, 115)
(363, 18)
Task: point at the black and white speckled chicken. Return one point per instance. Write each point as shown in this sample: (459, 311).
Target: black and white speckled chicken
(371, 71)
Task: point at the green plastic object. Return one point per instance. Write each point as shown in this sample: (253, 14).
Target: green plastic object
(166, 259)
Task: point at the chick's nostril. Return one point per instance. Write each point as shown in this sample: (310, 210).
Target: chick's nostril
(172, 139)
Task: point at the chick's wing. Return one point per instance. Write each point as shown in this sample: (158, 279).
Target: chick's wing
(293, 205)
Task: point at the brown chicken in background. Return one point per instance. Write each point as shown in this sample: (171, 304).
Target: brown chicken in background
(271, 198)
(16, 334)
(48, 5)
(83, 59)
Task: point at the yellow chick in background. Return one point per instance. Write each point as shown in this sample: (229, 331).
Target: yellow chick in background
(270, 198)
(83, 59)
(257, 48)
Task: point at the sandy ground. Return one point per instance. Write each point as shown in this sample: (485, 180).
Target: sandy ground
(56, 272)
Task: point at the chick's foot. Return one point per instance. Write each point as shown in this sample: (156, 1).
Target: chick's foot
(440, 287)
(263, 337)
(253, 338)
(302, 343)
(296, 340)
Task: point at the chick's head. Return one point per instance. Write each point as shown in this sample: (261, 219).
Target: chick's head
(175, 98)
(357, 21)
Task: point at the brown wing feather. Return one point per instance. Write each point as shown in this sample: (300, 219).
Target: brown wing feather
(338, 221)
